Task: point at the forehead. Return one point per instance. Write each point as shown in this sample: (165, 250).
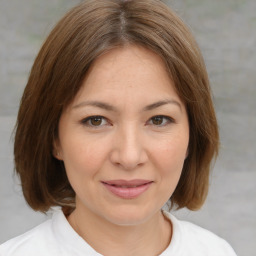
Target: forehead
(130, 71)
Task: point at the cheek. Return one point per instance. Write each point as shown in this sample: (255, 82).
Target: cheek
(82, 157)
(83, 163)
(170, 155)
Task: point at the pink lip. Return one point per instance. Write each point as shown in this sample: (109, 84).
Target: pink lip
(127, 189)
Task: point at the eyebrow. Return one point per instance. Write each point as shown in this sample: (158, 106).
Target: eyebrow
(97, 104)
(109, 107)
(161, 103)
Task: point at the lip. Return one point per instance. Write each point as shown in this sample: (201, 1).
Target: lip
(127, 189)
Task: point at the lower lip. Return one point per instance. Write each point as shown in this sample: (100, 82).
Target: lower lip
(128, 193)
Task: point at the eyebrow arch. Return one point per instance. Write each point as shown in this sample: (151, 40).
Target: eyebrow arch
(109, 107)
(161, 103)
(98, 104)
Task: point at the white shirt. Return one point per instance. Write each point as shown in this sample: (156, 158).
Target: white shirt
(56, 237)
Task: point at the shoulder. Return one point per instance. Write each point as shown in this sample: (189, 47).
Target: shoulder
(51, 238)
(197, 239)
(40, 239)
(205, 241)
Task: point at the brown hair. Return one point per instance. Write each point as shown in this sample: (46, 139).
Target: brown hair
(82, 35)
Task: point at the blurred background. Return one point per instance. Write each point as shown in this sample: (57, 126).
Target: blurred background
(226, 33)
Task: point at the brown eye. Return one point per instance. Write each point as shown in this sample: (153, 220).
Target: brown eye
(157, 120)
(96, 121)
(161, 120)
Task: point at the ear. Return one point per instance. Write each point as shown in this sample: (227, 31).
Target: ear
(56, 151)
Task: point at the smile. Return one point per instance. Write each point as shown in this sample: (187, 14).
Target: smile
(127, 189)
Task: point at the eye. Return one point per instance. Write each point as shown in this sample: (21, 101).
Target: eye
(94, 121)
(161, 120)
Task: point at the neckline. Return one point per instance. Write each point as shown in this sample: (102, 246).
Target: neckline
(174, 247)
(70, 239)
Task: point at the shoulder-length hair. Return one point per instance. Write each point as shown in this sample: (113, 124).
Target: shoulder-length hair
(83, 34)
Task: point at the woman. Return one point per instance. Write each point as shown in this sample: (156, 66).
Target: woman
(116, 120)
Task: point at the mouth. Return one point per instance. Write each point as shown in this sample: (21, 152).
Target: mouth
(127, 189)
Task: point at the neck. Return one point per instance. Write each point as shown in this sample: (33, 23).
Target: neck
(149, 238)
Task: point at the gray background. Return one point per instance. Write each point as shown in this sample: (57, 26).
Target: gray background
(226, 33)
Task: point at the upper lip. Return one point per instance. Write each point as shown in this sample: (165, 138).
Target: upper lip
(135, 182)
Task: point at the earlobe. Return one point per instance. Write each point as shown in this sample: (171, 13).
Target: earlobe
(56, 151)
(58, 156)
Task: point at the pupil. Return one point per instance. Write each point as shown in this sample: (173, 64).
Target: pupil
(96, 121)
(158, 120)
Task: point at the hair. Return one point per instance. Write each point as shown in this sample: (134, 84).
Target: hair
(82, 35)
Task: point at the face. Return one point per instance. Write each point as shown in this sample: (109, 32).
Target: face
(124, 138)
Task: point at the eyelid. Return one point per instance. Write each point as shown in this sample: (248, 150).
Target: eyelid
(85, 121)
(169, 119)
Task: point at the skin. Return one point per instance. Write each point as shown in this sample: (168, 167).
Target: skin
(127, 143)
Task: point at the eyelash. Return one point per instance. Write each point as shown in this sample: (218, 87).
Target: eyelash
(87, 121)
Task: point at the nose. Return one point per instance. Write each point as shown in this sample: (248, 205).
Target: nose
(128, 151)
